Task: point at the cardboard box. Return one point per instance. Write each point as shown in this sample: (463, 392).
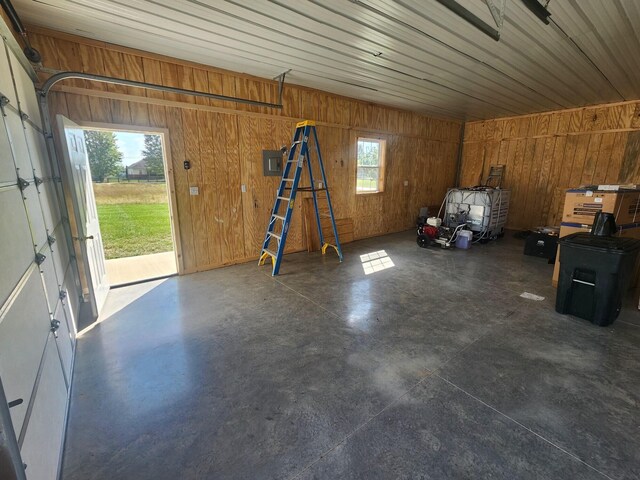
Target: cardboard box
(580, 206)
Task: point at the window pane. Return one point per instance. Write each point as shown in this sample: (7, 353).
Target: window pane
(369, 162)
(368, 179)
(368, 173)
(368, 153)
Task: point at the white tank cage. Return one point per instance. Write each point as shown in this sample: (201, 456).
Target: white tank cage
(483, 209)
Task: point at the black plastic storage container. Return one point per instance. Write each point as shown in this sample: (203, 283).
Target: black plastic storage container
(594, 275)
(540, 244)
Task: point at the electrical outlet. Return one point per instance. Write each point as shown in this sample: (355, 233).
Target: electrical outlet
(243, 188)
(406, 183)
(194, 191)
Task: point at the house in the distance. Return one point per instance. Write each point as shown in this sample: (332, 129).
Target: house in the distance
(137, 170)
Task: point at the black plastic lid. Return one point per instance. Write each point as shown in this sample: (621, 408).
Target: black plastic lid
(615, 245)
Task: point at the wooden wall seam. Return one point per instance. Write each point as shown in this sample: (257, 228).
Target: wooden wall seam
(556, 135)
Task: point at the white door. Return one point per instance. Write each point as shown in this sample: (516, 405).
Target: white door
(86, 214)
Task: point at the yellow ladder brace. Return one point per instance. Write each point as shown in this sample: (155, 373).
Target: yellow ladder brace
(326, 245)
(263, 258)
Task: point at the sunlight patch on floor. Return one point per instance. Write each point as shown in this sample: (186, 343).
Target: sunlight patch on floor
(376, 261)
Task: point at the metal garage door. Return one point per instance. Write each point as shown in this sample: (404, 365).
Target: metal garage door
(38, 295)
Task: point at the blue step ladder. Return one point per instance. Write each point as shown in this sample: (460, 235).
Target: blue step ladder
(276, 237)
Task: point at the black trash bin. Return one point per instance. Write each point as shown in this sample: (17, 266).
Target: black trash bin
(594, 275)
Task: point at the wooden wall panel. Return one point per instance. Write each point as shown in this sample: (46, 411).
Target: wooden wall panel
(92, 60)
(198, 226)
(181, 185)
(211, 184)
(630, 168)
(546, 154)
(224, 140)
(617, 155)
(234, 238)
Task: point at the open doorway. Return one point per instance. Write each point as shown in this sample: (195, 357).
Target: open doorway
(130, 184)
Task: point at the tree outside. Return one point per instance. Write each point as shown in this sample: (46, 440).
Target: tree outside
(105, 158)
(152, 155)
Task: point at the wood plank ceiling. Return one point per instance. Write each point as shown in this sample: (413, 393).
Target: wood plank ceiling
(412, 54)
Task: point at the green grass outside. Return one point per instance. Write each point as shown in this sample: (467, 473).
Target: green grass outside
(131, 229)
(134, 218)
(363, 184)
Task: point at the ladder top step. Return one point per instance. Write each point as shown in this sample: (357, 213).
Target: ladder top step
(305, 123)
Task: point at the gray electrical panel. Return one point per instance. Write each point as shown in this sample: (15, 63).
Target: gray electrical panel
(272, 163)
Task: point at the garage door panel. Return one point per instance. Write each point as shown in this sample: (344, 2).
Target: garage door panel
(36, 220)
(26, 91)
(72, 302)
(59, 253)
(64, 340)
(35, 364)
(23, 334)
(50, 280)
(6, 85)
(8, 173)
(49, 201)
(71, 325)
(16, 249)
(18, 144)
(38, 152)
(64, 313)
(43, 437)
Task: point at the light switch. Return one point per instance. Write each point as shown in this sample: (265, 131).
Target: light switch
(406, 183)
(243, 188)
(194, 191)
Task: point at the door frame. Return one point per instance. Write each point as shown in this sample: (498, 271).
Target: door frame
(168, 174)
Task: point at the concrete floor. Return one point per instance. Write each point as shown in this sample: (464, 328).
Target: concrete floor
(432, 368)
(141, 267)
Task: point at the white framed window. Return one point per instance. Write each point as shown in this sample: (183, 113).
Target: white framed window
(370, 165)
